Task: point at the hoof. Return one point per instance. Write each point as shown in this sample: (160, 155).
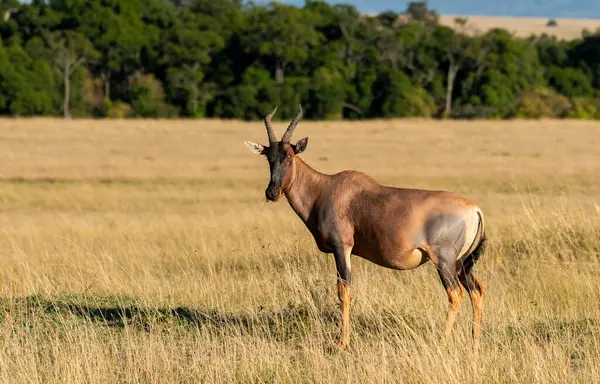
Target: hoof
(342, 345)
(334, 349)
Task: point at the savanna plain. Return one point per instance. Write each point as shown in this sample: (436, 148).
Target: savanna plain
(144, 251)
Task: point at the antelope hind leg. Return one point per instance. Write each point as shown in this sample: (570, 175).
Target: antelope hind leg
(455, 293)
(476, 292)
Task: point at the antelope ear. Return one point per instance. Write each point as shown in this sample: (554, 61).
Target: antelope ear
(301, 145)
(256, 148)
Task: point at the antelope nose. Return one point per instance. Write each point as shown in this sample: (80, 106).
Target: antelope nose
(272, 194)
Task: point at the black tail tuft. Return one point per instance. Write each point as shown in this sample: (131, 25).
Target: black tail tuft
(469, 261)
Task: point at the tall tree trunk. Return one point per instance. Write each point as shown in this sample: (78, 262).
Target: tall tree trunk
(194, 93)
(67, 85)
(452, 71)
(279, 72)
(194, 88)
(106, 81)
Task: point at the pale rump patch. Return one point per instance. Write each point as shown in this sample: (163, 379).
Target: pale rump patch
(471, 231)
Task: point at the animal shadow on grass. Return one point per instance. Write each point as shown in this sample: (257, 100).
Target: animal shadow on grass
(289, 322)
(292, 322)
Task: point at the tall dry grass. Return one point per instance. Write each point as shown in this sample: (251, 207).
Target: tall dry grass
(143, 251)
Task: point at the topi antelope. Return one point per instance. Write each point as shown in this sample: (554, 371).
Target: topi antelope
(348, 213)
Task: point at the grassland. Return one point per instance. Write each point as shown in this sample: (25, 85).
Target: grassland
(526, 26)
(143, 251)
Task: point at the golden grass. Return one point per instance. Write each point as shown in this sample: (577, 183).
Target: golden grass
(143, 251)
(567, 29)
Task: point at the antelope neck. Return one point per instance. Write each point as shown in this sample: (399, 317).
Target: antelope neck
(304, 188)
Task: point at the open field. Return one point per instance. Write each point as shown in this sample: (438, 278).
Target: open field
(526, 26)
(143, 251)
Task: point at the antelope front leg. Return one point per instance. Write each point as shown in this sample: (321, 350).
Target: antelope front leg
(342, 263)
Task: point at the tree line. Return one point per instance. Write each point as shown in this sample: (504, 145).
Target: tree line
(237, 59)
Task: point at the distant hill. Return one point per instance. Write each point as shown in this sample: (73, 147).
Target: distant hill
(528, 8)
(567, 29)
(524, 8)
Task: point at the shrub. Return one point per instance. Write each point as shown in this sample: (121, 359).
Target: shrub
(118, 110)
(585, 108)
(419, 103)
(542, 102)
(148, 98)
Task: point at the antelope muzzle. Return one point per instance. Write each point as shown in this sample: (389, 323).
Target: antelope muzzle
(272, 193)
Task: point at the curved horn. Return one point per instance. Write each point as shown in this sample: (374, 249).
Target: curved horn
(270, 132)
(287, 136)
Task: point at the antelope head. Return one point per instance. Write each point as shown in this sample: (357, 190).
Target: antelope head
(280, 155)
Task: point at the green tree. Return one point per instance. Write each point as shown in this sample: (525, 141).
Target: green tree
(586, 56)
(461, 51)
(67, 50)
(419, 11)
(419, 53)
(118, 35)
(282, 35)
(395, 96)
(511, 66)
(571, 82)
(25, 83)
(327, 94)
(186, 49)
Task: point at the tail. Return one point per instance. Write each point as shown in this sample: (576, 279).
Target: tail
(467, 262)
